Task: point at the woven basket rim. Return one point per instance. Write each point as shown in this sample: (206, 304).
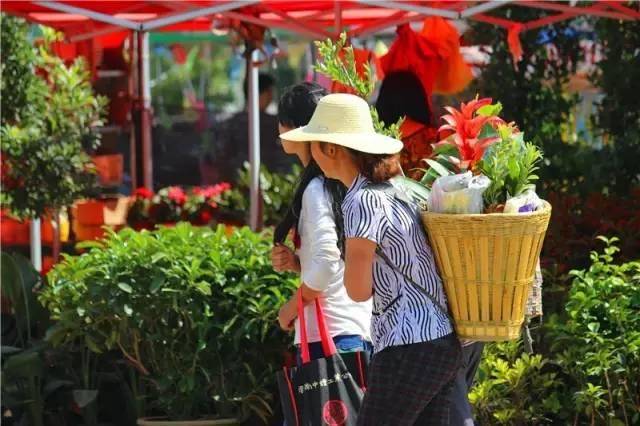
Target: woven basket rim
(545, 210)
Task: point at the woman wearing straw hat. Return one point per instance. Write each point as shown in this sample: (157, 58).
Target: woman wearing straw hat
(388, 257)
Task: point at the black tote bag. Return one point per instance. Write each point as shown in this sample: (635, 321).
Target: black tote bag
(322, 392)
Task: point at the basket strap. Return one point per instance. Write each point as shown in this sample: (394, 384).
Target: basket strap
(418, 287)
(390, 189)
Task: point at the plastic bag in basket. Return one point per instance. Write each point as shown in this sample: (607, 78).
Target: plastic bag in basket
(526, 202)
(458, 194)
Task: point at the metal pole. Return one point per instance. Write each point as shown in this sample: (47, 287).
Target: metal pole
(36, 244)
(254, 138)
(145, 109)
(133, 134)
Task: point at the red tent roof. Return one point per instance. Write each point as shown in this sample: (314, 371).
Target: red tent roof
(316, 19)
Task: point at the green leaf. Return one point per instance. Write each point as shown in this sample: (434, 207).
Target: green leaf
(490, 110)
(439, 168)
(204, 288)
(128, 310)
(125, 287)
(157, 282)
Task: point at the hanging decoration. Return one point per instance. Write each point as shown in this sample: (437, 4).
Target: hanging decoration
(513, 40)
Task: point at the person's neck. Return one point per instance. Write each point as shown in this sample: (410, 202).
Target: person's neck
(348, 174)
(304, 157)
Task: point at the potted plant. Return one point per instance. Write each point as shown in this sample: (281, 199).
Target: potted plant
(49, 116)
(138, 215)
(202, 203)
(181, 305)
(168, 206)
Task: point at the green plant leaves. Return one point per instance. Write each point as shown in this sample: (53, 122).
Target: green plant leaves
(125, 287)
(490, 110)
(53, 116)
(187, 316)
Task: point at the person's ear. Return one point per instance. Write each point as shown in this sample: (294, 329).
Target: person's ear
(331, 150)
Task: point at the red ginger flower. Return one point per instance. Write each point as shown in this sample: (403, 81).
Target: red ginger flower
(463, 131)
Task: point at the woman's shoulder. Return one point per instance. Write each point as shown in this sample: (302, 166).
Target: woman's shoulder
(369, 195)
(315, 197)
(315, 189)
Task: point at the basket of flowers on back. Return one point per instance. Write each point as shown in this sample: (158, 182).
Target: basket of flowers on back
(484, 220)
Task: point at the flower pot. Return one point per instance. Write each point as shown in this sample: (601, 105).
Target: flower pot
(160, 421)
(87, 232)
(89, 212)
(487, 263)
(110, 169)
(13, 232)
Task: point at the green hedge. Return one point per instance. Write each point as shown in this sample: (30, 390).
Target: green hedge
(192, 309)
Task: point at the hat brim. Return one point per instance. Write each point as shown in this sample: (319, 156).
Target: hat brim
(371, 143)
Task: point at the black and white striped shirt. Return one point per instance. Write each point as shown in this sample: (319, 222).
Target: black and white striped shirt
(402, 314)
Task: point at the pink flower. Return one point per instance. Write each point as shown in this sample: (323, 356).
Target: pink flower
(177, 195)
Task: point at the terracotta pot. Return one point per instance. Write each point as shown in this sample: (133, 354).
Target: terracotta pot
(160, 421)
(13, 232)
(110, 169)
(89, 212)
(87, 232)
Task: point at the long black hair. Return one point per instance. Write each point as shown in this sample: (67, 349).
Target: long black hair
(402, 94)
(295, 109)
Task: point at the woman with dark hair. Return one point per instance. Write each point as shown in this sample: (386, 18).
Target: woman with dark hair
(387, 257)
(403, 96)
(315, 217)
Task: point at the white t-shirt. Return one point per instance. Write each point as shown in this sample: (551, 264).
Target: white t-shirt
(322, 269)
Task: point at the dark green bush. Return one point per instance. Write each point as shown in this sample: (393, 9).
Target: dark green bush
(192, 309)
(597, 345)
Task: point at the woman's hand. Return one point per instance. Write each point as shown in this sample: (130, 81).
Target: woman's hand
(283, 259)
(287, 315)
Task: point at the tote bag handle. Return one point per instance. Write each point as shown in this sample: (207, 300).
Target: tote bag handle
(328, 347)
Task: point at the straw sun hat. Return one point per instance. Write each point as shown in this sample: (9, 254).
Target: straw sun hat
(345, 120)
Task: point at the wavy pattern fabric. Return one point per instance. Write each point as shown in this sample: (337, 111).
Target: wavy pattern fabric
(402, 314)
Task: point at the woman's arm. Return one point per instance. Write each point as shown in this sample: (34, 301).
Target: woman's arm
(358, 274)
(289, 311)
(319, 268)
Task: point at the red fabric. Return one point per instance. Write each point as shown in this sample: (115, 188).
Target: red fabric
(515, 47)
(417, 139)
(454, 74)
(414, 53)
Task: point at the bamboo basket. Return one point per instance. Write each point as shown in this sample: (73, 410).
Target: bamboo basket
(487, 263)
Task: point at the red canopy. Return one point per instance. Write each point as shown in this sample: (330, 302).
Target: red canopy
(316, 19)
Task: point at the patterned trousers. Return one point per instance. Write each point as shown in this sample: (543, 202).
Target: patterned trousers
(411, 385)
